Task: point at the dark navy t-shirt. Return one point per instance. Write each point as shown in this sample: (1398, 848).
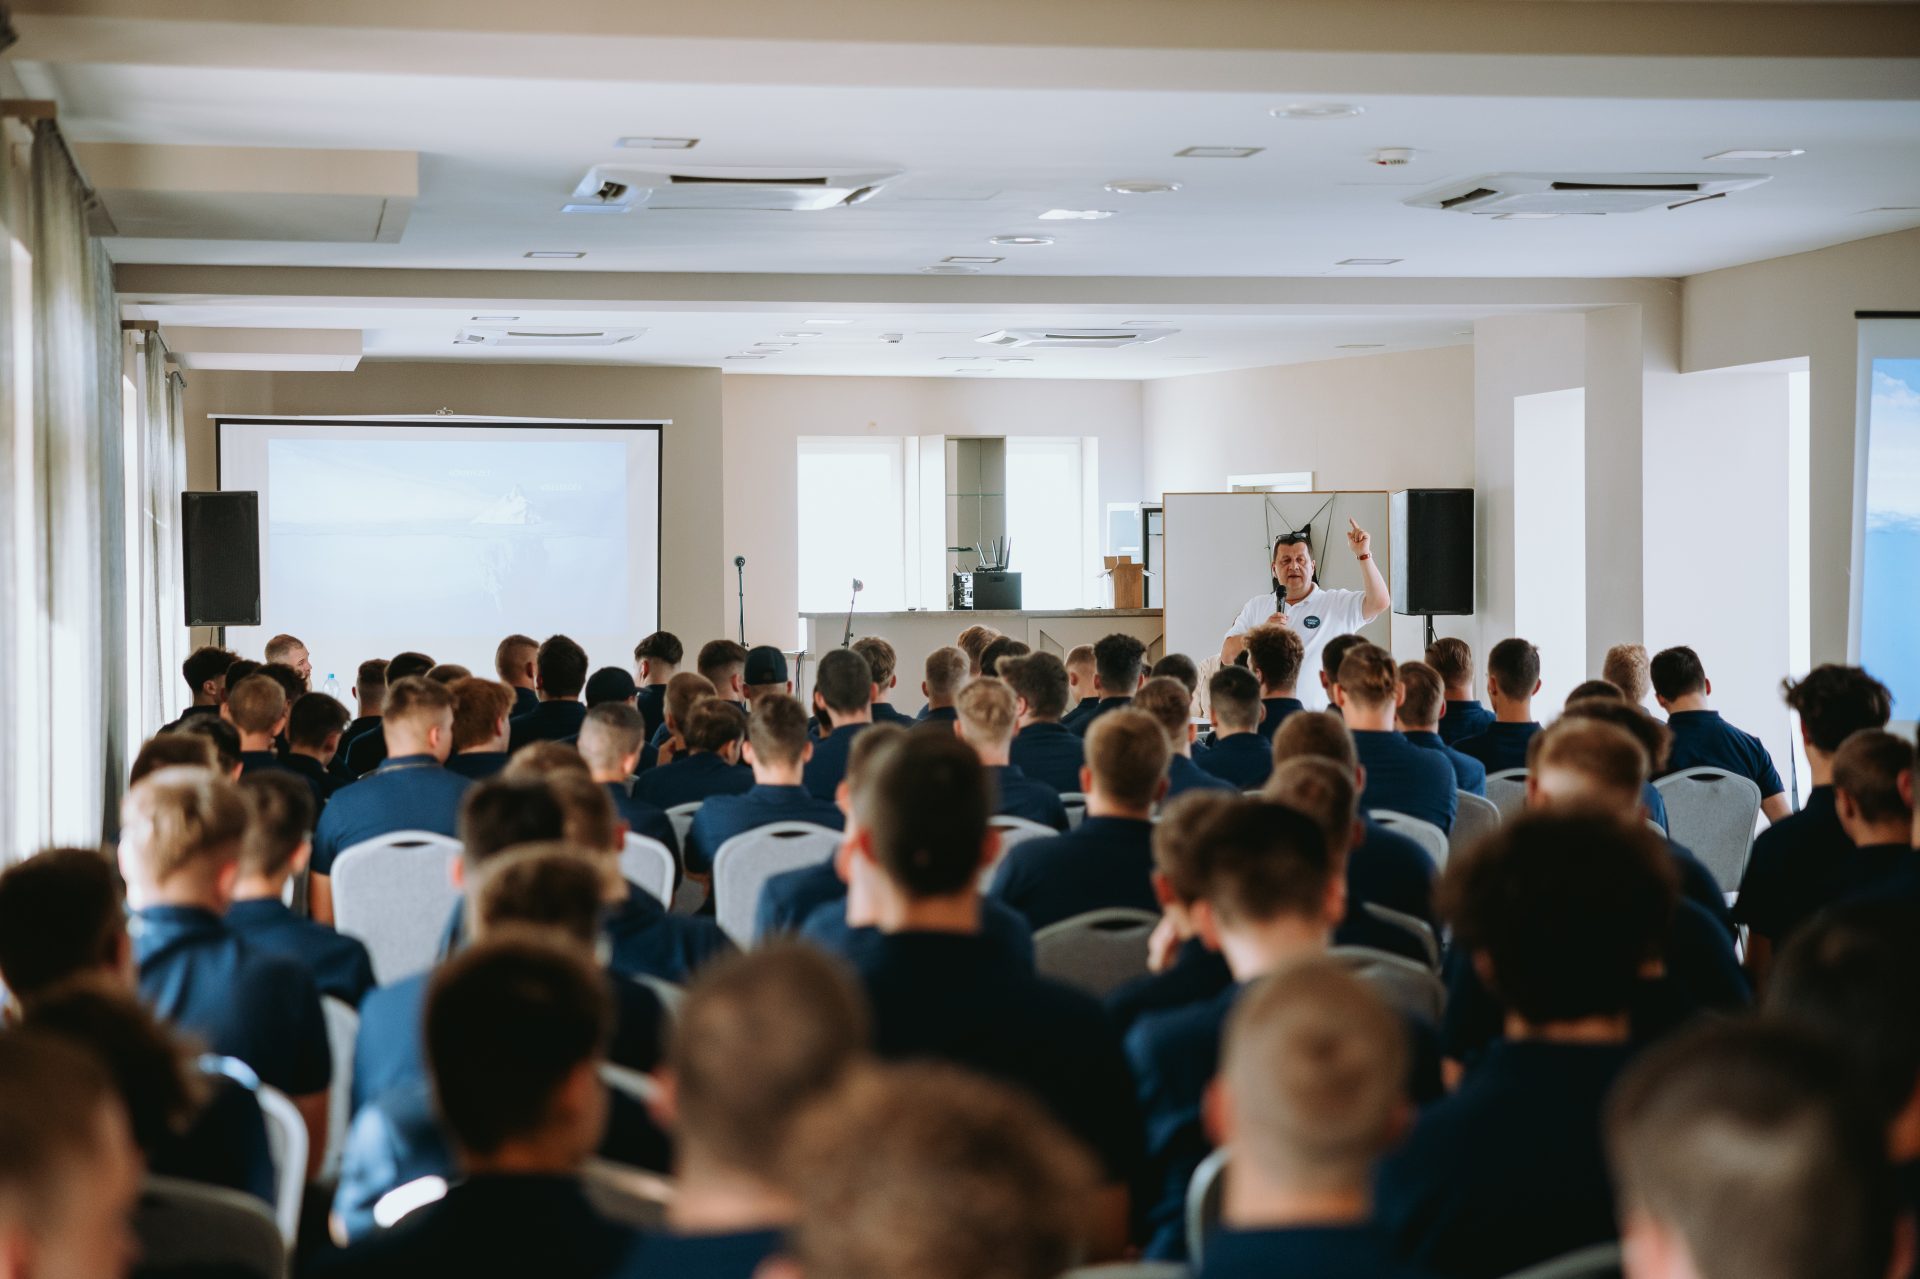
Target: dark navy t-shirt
(644, 819)
(724, 816)
(1305, 1252)
(477, 765)
(1244, 759)
(1701, 739)
(735, 1255)
(1052, 754)
(1792, 871)
(788, 898)
(1105, 861)
(1500, 747)
(1277, 709)
(1391, 870)
(340, 964)
(828, 766)
(692, 779)
(410, 793)
(1465, 718)
(547, 722)
(1469, 774)
(1017, 795)
(1402, 778)
(1184, 775)
(1104, 706)
(651, 702)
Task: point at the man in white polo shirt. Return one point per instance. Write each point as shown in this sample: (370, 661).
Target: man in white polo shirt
(1315, 613)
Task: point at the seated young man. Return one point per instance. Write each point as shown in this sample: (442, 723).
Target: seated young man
(1107, 860)
(314, 724)
(1311, 1093)
(278, 841)
(766, 672)
(1744, 1149)
(656, 659)
(611, 740)
(928, 1171)
(516, 1031)
(368, 750)
(561, 670)
(723, 665)
(516, 664)
(843, 693)
(712, 734)
(482, 711)
(608, 685)
(1790, 861)
(1274, 654)
(777, 751)
(1513, 677)
(973, 642)
(1332, 653)
(1560, 915)
(180, 837)
(1654, 739)
(758, 1040)
(946, 672)
(1002, 648)
(369, 694)
(1044, 748)
(257, 709)
(71, 1178)
(1873, 787)
(792, 897)
(1400, 777)
(941, 988)
(684, 691)
(1452, 660)
(1166, 699)
(412, 790)
(1626, 667)
(205, 671)
(1701, 738)
(1119, 669)
(1080, 676)
(1421, 697)
(1178, 666)
(177, 747)
(987, 711)
(1241, 755)
(882, 661)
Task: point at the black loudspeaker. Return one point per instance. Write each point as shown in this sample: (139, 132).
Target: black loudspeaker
(1432, 551)
(220, 536)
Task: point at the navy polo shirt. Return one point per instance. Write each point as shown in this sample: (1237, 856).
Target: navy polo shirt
(339, 964)
(1050, 753)
(1101, 707)
(314, 774)
(1184, 775)
(1104, 861)
(1698, 885)
(492, 1225)
(553, 721)
(1243, 759)
(827, 928)
(410, 793)
(829, 763)
(352, 733)
(939, 715)
(1791, 872)
(1701, 739)
(367, 751)
(225, 1143)
(692, 779)
(1469, 774)
(643, 818)
(1277, 710)
(1869, 871)
(477, 765)
(525, 702)
(1391, 870)
(787, 899)
(651, 702)
(1017, 795)
(645, 939)
(1464, 718)
(258, 761)
(734, 1255)
(1509, 1170)
(1319, 1252)
(186, 716)
(724, 816)
(888, 713)
(1083, 710)
(239, 1000)
(1402, 778)
(1196, 974)
(1501, 747)
(962, 998)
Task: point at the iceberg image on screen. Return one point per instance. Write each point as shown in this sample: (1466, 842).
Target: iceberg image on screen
(453, 536)
(1890, 595)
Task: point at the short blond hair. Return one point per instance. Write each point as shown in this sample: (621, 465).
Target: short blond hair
(946, 671)
(257, 704)
(1315, 1064)
(987, 710)
(1080, 657)
(1128, 753)
(416, 699)
(478, 707)
(1368, 675)
(1605, 756)
(1627, 668)
(973, 642)
(1166, 699)
(182, 818)
(557, 887)
(1320, 789)
(543, 761)
(588, 817)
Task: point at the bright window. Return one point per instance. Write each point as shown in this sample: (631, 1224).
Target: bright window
(853, 521)
(1047, 520)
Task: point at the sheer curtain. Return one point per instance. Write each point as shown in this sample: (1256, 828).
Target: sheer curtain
(157, 468)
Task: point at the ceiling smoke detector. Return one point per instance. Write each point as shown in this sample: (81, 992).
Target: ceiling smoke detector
(1392, 157)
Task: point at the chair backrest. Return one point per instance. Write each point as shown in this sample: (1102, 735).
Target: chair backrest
(747, 861)
(626, 1195)
(1076, 805)
(1601, 1261)
(1712, 813)
(343, 1027)
(1476, 818)
(1508, 791)
(681, 815)
(636, 1084)
(394, 893)
(1410, 987)
(1419, 929)
(649, 863)
(409, 1197)
(287, 1146)
(1013, 830)
(1204, 1193)
(1423, 833)
(670, 995)
(188, 1228)
(1097, 951)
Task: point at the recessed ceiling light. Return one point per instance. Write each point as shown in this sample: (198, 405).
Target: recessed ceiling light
(658, 144)
(959, 357)
(1218, 153)
(493, 318)
(1316, 111)
(1142, 186)
(1523, 217)
(1368, 261)
(1147, 324)
(768, 346)
(554, 253)
(596, 208)
(1894, 208)
(1075, 215)
(1756, 153)
(829, 321)
(746, 357)
(1017, 239)
(802, 333)
(949, 270)
(1359, 346)
(964, 259)
(1014, 359)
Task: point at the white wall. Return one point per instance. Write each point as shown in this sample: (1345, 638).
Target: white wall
(1550, 504)
(766, 415)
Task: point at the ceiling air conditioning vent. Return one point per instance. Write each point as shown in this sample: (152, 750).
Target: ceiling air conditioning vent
(612, 188)
(1083, 339)
(546, 336)
(1582, 193)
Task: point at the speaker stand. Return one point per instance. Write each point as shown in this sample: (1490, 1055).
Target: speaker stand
(1429, 630)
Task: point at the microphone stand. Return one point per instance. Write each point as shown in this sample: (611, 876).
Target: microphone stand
(740, 572)
(846, 640)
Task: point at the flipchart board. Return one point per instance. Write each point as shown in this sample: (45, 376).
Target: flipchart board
(1218, 547)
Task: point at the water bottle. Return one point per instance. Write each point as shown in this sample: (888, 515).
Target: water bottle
(332, 687)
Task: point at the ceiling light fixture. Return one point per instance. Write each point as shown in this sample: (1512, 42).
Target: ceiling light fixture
(767, 346)
(1317, 111)
(1359, 346)
(829, 321)
(1523, 217)
(1368, 261)
(1142, 186)
(1894, 208)
(746, 357)
(1014, 359)
(554, 253)
(949, 270)
(965, 259)
(1218, 153)
(596, 208)
(506, 319)
(959, 357)
(658, 144)
(1075, 215)
(803, 333)
(1756, 153)
(1004, 240)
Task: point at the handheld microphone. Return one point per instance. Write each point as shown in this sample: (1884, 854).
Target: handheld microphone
(846, 641)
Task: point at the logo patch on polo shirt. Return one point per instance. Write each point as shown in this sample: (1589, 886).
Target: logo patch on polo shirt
(1312, 623)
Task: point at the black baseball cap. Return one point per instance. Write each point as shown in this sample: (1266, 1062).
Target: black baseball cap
(610, 684)
(765, 665)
